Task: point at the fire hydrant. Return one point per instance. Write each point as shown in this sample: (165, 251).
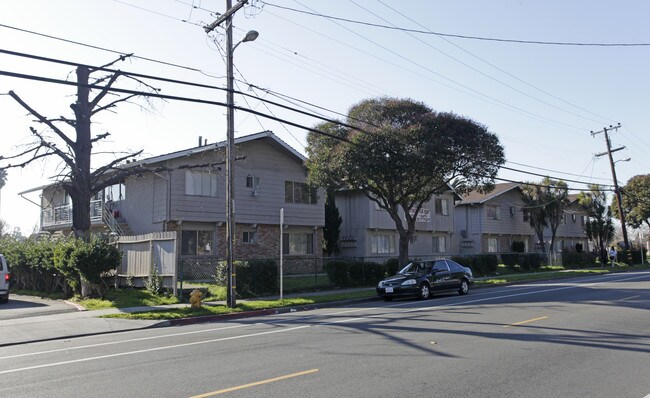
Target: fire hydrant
(195, 298)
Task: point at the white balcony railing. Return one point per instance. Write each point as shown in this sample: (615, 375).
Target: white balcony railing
(61, 216)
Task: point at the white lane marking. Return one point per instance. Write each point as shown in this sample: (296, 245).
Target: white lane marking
(48, 365)
(564, 286)
(123, 341)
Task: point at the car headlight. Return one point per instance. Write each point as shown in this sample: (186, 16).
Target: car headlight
(381, 284)
(409, 282)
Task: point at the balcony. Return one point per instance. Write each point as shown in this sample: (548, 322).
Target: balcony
(53, 218)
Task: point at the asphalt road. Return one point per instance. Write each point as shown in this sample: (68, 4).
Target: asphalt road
(586, 337)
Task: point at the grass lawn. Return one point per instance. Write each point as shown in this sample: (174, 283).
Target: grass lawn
(127, 297)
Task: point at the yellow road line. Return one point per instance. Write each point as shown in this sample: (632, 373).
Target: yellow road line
(524, 322)
(257, 383)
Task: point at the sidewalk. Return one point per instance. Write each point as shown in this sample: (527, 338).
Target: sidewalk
(86, 323)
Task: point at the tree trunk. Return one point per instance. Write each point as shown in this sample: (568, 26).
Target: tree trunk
(403, 249)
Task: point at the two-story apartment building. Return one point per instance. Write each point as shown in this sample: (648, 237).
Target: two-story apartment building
(491, 222)
(368, 231)
(185, 192)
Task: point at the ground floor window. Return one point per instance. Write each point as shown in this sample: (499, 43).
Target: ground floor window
(382, 244)
(297, 243)
(249, 236)
(493, 245)
(197, 243)
(439, 244)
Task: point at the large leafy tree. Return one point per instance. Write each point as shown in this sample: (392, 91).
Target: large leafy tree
(400, 153)
(599, 227)
(72, 141)
(636, 201)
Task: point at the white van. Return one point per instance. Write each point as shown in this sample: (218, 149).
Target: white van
(4, 280)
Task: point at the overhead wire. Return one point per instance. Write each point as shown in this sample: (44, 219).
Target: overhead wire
(482, 95)
(475, 69)
(493, 65)
(209, 102)
(428, 32)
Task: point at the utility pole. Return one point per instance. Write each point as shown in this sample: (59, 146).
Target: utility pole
(617, 190)
(231, 300)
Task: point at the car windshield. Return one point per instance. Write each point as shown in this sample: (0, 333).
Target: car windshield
(412, 268)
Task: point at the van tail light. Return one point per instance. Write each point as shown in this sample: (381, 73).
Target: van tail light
(7, 276)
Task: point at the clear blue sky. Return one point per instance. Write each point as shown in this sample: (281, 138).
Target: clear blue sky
(541, 100)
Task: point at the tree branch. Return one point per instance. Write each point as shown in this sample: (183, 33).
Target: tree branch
(41, 118)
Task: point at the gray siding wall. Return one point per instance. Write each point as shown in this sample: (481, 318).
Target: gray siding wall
(136, 209)
(263, 159)
(362, 220)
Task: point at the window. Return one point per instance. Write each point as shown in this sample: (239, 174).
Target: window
(249, 237)
(298, 243)
(493, 246)
(413, 240)
(382, 244)
(299, 192)
(526, 216)
(440, 265)
(197, 243)
(563, 221)
(200, 183)
(494, 212)
(439, 244)
(442, 207)
(573, 217)
(252, 182)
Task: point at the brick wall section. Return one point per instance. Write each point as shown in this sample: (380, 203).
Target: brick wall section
(266, 247)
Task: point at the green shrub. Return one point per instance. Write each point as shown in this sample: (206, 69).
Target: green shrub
(531, 262)
(518, 246)
(481, 264)
(337, 271)
(392, 265)
(572, 259)
(256, 277)
(364, 274)
(510, 259)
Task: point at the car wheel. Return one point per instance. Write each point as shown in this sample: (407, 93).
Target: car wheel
(5, 299)
(464, 287)
(425, 291)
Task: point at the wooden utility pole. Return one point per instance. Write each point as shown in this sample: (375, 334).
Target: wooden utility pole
(617, 190)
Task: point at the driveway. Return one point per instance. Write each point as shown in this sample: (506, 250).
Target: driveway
(26, 306)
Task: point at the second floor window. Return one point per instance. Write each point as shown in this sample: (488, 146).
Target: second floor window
(249, 237)
(299, 192)
(200, 183)
(494, 212)
(439, 244)
(252, 181)
(442, 207)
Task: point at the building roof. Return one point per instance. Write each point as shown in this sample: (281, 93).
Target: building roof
(222, 144)
(476, 197)
(268, 135)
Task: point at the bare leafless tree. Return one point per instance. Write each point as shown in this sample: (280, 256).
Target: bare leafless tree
(76, 176)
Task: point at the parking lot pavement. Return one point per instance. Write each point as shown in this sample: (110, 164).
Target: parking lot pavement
(29, 306)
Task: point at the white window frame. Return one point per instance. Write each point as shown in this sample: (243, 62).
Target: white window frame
(252, 181)
(442, 206)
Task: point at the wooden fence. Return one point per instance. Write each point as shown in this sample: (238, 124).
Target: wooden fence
(142, 254)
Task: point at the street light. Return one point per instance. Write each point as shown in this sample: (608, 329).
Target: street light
(231, 300)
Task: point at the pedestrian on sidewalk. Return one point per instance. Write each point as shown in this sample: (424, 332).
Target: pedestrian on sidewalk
(612, 255)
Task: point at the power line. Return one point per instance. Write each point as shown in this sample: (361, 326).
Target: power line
(428, 32)
(495, 66)
(163, 96)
